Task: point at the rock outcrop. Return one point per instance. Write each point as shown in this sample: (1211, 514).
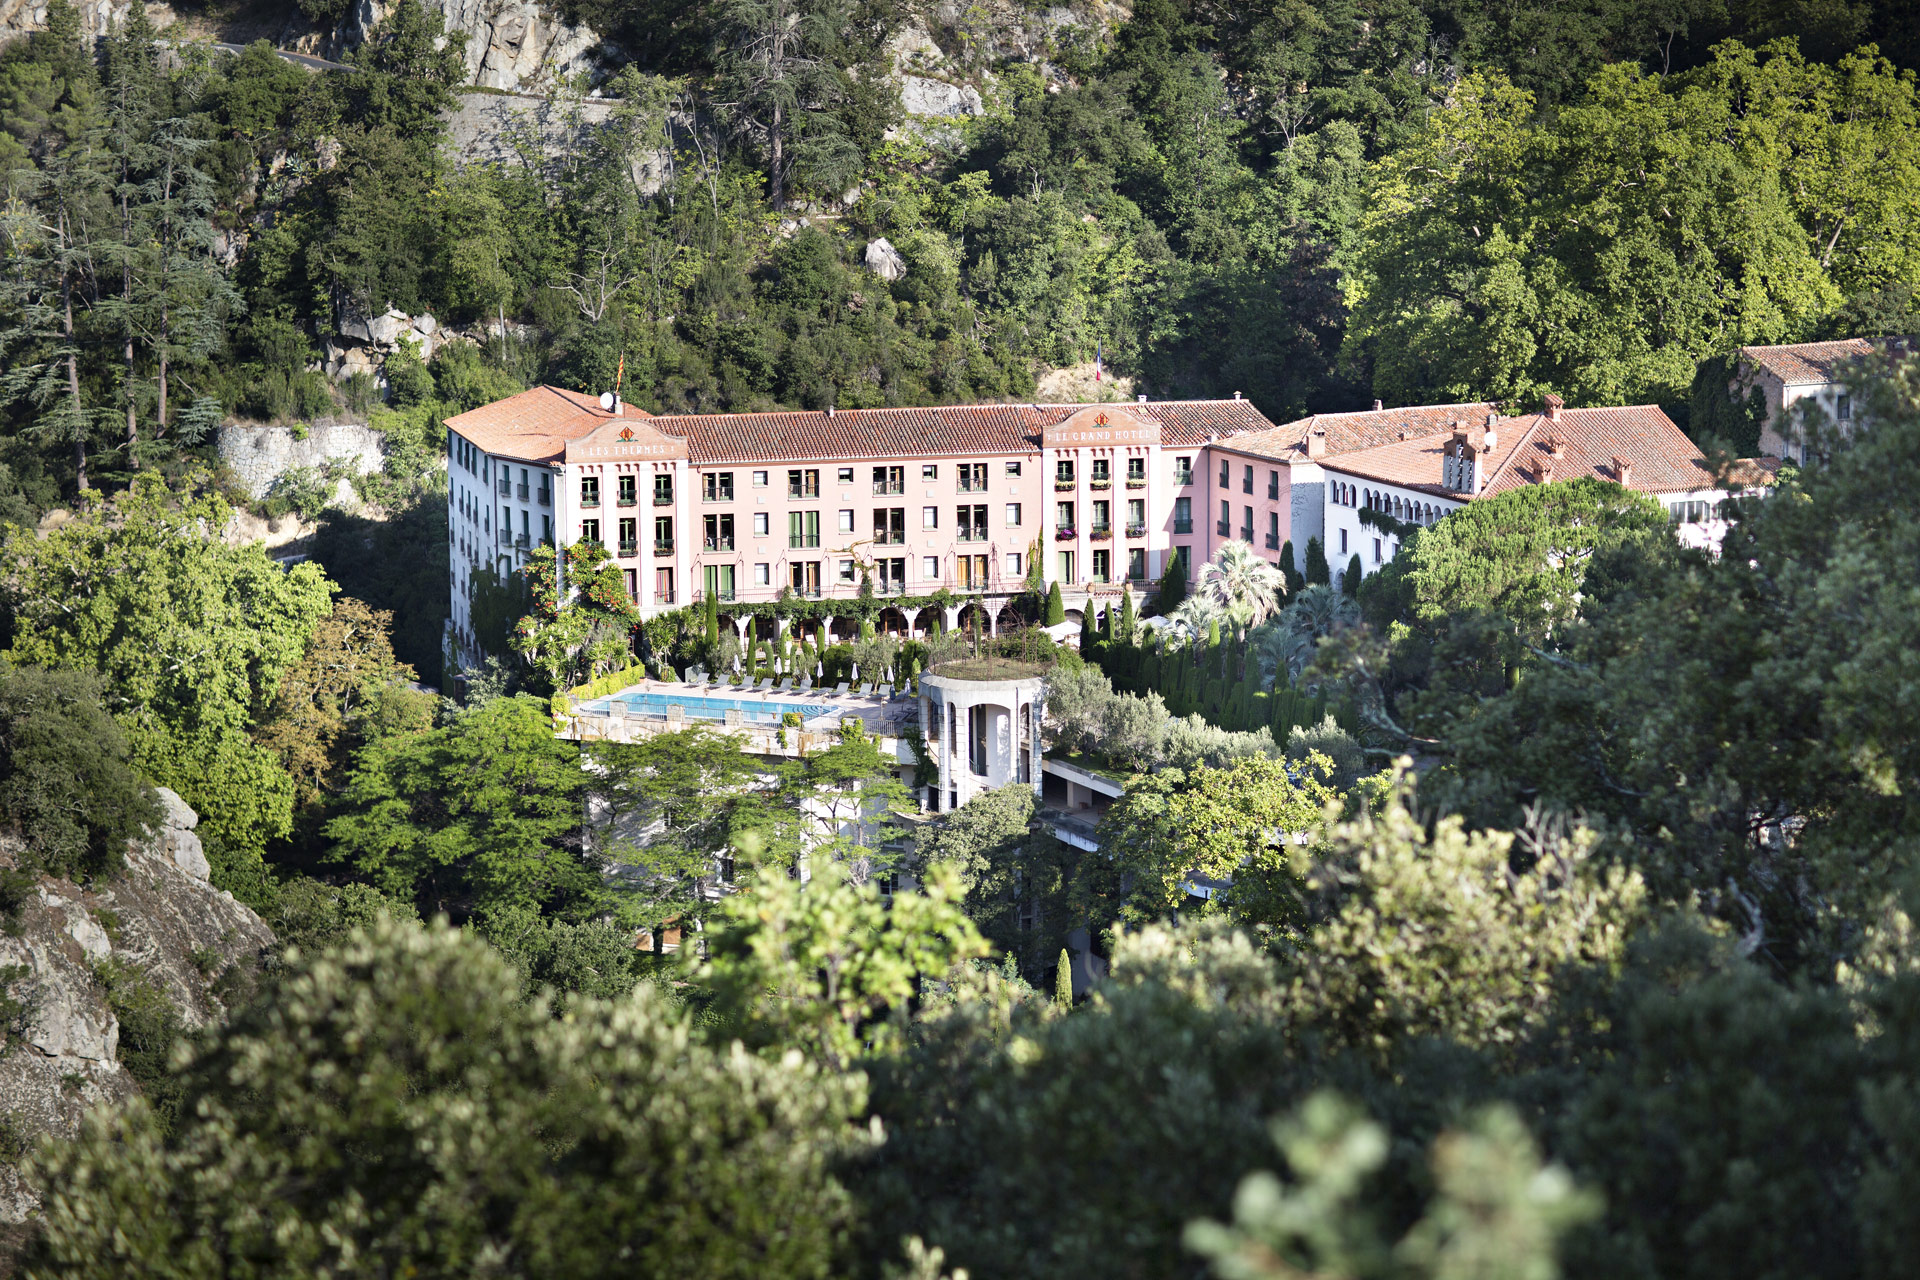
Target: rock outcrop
(160, 919)
(515, 45)
(97, 17)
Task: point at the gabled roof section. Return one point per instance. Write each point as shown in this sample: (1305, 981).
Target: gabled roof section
(536, 425)
(1660, 458)
(1362, 429)
(1800, 363)
(624, 440)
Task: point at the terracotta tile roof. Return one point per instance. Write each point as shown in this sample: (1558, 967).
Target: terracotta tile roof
(1361, 429)
(1662, 459)
(536, 425)
(935, 431)
(1804, 362)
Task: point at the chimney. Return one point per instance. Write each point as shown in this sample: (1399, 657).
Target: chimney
(1556, 445)
(1317, 443)
(1377, 406)
(1491, 434)
(1553, 406)
(1142, 397)
(1236, 395)
(830, 411)
(1622, 470)
(1544, 468)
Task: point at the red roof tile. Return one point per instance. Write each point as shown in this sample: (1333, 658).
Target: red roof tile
(1361, 429)
(536, 425)
(1662, 459)
(1804, 362)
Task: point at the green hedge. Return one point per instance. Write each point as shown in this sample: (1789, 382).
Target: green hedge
(612, 682)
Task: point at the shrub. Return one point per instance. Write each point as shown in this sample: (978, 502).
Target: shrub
(65, 784)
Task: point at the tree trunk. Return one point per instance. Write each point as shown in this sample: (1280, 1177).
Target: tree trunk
(776, 170)
(126, 326)
(73, 379)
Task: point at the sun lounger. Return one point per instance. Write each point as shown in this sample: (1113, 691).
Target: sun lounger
(841, 691)
(766, 683)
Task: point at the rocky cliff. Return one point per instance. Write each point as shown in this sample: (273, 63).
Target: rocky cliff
(510, 44)
(70, 954)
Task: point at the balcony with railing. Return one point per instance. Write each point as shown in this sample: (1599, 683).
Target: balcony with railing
(1183, 478)
(1246, 533)
(521, 491)
(506, 486)
(628, 500)
(970, 533)
(629, 549)
(972, 486)
(889, 488)
(802, 492)
(1136, 482)
(663, 546)
(1101, 533)
(1136, 530)
(1065, 486)
(545, 496)
(662, 499)
(1273, 542)
(1183, 526)
(1223, 527)
(521, 541)
(589, 502)
(663, 597)
(1273, 491)
(1100, 484)
(1065, 533)
(719, 544)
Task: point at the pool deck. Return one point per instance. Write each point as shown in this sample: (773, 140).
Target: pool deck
(609, 719)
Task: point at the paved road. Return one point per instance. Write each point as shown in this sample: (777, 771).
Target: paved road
(297, 59)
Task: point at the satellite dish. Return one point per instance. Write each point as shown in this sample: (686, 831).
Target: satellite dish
(606, 401)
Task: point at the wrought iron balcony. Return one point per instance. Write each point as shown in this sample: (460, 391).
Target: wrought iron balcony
(1273, 542)
(1102, 533)
(1065, 533)
(589, 503)
(1223, 528)
(506, 486)
(521, 491)
(1065, 486)
(1183, 526)
(1100, 484)
(662, 499)
(629, 549)
(1136, 531)
(1136, 482)
(546, 497)
(663, 548)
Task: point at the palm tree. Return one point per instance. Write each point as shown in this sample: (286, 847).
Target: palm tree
(1317, 610)
(1244, 587)
(1195, 614)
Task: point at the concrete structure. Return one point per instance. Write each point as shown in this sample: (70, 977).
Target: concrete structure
(260, 456)
(982, 721)
(1800, 375)
(1418, 479)
(747, 507)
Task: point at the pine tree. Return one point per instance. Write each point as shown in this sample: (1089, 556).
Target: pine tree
(1056, 608)
(1351, 583)
(1318, 571)
(1063, 981)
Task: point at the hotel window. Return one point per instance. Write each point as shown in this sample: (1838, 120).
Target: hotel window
(973, 477)
(1101, 560)
(1063, 471)
(929, 568)
(1014, 569)
(717, 486)
(1225, 468)
(1066, 566)
(759, 479)
(1100, 520)
(1102, 471)
(663, 489)
(1183, 470)
(1136, 517)
(1013, 468)
(589, 531)
(1246, 481)
(893, 574)
(1843, 408)
(846, 571)
(931, 471)
(761, 524)
(970, 523)
(763, 575)
(846, 520)
(1183, 515)
(1343, 542)
(629, 537)
(626, 490)
(1273, 530)
(720, 581)
(846, 475)
(1273, 486)
(590, 491)
(1013, 514)
(1063, 515)
(719, 533)
(1226, 518)
(929, 517)
(1376, 551)
(1137, 563)
(662, 533)
(803, 484)
(890, 526)
(888, 480)
(803, 528)
(804, 577)
(1246, 524)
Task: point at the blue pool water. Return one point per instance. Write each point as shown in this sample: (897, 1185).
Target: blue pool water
(697, 707)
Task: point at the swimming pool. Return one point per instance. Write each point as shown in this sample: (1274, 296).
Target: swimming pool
(698, 707)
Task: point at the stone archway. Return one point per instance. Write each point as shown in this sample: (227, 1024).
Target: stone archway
(893, 621)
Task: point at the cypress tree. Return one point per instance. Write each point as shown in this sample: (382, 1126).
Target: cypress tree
(1126, 614)
(1087, 636)
(1213, 635)
(1173, 584)
(1294, 579)
(713, 621)
(1063, 981)
(1351, 583)
(1056, 608)
(1318, 571)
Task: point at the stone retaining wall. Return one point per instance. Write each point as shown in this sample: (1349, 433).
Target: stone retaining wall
(261, 455)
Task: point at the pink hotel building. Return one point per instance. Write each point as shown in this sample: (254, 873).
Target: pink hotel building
(741, 506)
